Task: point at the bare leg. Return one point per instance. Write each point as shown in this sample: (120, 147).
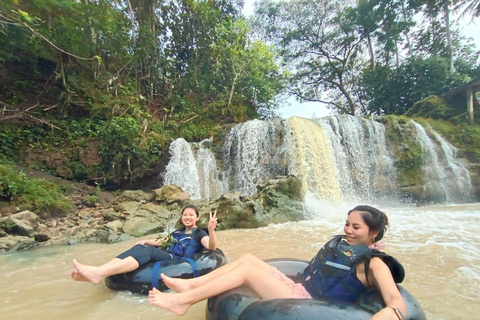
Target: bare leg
(78, 277)
(261, 282)
(95, 275)
(182, 285)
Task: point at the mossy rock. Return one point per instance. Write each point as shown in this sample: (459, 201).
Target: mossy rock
(432, 107)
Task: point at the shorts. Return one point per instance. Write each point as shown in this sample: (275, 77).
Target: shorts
(298, 290)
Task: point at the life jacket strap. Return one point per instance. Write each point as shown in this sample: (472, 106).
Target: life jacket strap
(193, 264)
(156, 270)
(156, 274)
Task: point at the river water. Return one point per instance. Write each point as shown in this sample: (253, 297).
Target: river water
(438, 245)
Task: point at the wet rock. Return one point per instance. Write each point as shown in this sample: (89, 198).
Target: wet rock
(41, 237)
(277, 201)
(87, 235)
(115, 226)
(127, 207)
(114, 237)
(140, 226)
(136, 195)
(12, 243)
(171, 194)
(22, 223)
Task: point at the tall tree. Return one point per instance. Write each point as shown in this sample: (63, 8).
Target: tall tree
(469, 7)
(318, 43)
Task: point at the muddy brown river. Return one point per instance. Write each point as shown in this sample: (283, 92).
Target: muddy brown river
(438, 245)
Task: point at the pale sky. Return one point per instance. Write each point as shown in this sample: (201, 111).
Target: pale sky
(307, 109)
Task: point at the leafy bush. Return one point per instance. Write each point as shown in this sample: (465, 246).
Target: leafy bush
(91, 200)
(31, 194)
(128, 148)
(431, 107)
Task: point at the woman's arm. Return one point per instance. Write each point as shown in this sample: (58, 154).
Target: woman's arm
(210, 241)
(395, 305)
(152, 242)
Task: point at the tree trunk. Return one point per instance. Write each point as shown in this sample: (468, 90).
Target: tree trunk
(470, 105)
(407, 37)
(449, 35)
(370, 50)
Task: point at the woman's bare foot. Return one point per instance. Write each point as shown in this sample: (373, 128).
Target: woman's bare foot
(169, 301)
(77, 276)
(89, 273)
(176, 284)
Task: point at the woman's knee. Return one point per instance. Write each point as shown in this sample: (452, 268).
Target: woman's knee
(242, 269)
(248, 257)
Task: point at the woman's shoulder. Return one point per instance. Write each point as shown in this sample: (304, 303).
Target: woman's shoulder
(377, 263)
(200, 232)
(379, 266)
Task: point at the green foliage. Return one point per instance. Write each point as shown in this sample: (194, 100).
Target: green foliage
(77, 170)
(126, 148)
(11, 140)
(395, 91)
(135, 75)
(31, 194)
(167, 241)
(431, 107)
(91, 200)
(7, 225)
(317, 41)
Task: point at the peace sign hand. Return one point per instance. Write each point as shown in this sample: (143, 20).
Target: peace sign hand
(213, 220)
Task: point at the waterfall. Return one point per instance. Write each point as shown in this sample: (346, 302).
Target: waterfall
(445, 178)
(310, 159)
(195, 172)
(337, 158)
(362, 162)
(211, 187)
(460, 173)
(250, 155)
(182, 168)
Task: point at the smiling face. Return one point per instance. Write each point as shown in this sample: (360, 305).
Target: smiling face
(189, 218)
(357, 231)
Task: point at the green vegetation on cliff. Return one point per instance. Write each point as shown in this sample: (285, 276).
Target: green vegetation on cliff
(45, 197)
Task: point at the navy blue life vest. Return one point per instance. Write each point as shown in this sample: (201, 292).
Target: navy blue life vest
(185, 245)
(332, 272)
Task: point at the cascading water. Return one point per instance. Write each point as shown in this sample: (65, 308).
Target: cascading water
(338, 158)
(182, 168)
(362, 162)
(250, 155)
(211, 187)
(445, 178)
(309, 158)
(460, 173)
(194, 169)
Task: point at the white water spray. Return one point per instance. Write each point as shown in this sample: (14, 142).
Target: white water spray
(182, 168)
(250, 155)
(362, 162)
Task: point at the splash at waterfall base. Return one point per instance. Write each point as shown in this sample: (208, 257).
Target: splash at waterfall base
(242, 304)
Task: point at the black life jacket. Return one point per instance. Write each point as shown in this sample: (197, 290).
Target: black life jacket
(332, 272)
(185, 245)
